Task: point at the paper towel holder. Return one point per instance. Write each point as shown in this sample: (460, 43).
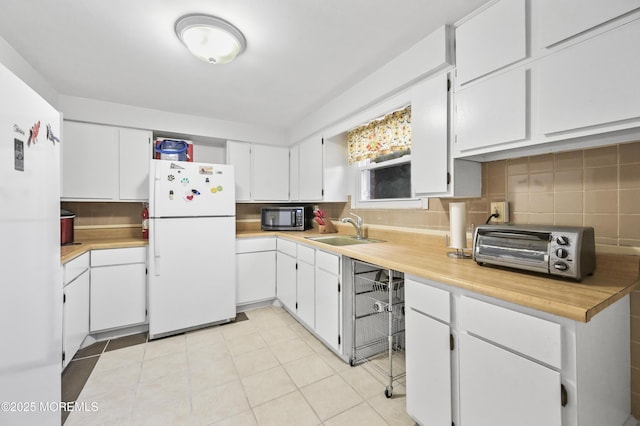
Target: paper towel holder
(459, 253)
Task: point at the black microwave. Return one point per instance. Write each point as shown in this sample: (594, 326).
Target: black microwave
(285, 218)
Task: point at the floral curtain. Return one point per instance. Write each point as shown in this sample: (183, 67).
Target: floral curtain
(382, 139)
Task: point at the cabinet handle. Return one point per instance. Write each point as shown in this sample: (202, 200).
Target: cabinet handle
(564, 398)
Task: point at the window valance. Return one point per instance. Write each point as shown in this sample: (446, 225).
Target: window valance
(381, 139)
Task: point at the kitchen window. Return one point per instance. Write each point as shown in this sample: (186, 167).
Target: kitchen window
(380, 153)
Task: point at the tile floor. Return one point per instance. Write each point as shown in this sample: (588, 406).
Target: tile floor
(268, 370)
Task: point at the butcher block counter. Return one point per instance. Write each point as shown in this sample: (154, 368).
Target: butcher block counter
(425, 256)
(100, 239)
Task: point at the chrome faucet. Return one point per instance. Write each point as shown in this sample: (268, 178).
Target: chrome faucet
(356, 224)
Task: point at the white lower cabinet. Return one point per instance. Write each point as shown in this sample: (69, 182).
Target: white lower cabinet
(429, 356)
(501, 388)
(118, 288)
(309, 286)
(75, 311)
(327, 298)
(306, 284)
(474, 360)
(286, 273)
(255, 270)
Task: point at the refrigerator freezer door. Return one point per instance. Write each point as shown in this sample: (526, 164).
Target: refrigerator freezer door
(191, 273)
(31, 302)
(184, 189)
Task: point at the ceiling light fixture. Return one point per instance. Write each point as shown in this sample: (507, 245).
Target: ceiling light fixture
(210, 39)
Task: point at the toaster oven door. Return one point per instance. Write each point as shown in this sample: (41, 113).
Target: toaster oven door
(521, 249)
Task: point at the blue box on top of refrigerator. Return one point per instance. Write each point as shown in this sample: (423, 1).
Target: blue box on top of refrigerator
(191, 246)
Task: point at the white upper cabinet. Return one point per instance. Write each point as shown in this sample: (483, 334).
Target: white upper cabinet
(429, 135)
(89, 154)
(492, 112)
(134, 164)
(559, 20)
(262, 171)
(294, 172)
(239, 154)
(310, 170)
(490, 40)
(573, 84)
(105, 163)
(270, 172)
(433, 171)
(593, 83)
(320, 170)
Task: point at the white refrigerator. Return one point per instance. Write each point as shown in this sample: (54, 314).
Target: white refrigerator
(31, 301)
(191, 246)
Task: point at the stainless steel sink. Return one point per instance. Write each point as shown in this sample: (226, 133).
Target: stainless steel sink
(342, 240)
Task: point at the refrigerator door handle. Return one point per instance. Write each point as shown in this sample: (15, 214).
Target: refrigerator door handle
(156, 252)
(156, 186)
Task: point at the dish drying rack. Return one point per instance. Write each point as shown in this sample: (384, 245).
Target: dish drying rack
(378, 320)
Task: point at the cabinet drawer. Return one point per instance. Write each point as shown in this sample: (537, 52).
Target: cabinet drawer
(306, 254)
(328, 262)
(287, 247)
(75, 267)
(120, 256)
(429, 300)
(531, 336)
(249, 245)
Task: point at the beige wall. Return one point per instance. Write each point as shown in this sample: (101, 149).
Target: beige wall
(597, 187)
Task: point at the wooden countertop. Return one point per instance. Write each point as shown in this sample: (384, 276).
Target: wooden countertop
(83, 245)
(426, 256)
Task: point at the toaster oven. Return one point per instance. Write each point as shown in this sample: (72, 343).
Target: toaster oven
(566, 251)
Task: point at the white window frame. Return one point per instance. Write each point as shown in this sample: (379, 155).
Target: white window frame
(389, 203)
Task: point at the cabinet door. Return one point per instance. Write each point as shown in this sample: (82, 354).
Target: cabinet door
(294, 172)
(429, 136)
(89, 161)
(270, 173)
(255, 276)
(118, 296)
(135, 153)
(592, 83)
(559, 20)
(493, 39)
(492, 112)
(498, 387)
(75, 315)
(239, 155)
(328, 307)
(428, 359)
(311, 169)
(286, 280)
(306, 293)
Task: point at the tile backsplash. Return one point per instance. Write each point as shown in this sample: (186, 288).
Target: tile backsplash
(596, 187)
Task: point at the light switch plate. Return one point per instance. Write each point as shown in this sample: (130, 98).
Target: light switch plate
(502, 209)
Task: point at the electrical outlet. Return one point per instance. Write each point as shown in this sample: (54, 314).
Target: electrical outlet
(502, 209)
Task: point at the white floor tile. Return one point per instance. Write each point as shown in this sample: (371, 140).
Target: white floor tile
(267, 385)
(331, 396)
(268, 370)
(290, 409)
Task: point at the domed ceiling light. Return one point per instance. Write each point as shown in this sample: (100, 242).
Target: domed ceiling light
(210, 39)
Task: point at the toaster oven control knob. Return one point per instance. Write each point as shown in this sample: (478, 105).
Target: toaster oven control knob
(562, 253)
(563, 240)
(561, 266)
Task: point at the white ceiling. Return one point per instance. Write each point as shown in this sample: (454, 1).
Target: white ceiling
(300, 53)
